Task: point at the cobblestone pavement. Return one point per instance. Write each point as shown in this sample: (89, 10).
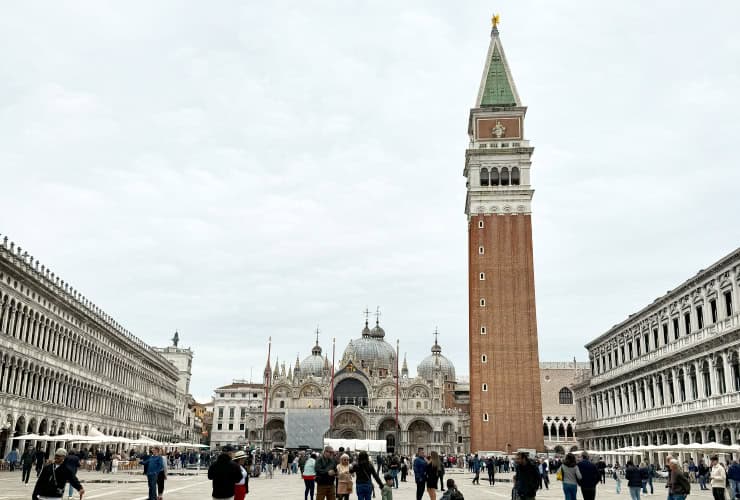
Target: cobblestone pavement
(197, 487)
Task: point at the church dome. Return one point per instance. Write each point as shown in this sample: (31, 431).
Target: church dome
(370, 350)
(314, 364)
(436, 363)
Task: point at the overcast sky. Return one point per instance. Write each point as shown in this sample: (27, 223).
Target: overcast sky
(236, 170)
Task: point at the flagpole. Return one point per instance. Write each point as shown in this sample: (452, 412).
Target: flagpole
(267, 393)
(398, 444)
(331, 393)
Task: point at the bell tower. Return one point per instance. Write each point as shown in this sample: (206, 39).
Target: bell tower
(505, 399)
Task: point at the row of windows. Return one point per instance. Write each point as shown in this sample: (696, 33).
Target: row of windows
(244, 395)
(639, 345)
(503, 177)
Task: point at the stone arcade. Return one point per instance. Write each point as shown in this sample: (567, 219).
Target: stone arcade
(66, 366)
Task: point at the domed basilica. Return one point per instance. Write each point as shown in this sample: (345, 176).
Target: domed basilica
(363, 397)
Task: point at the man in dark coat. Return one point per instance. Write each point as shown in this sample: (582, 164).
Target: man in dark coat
(224, 473)
(590, 477)
(26, 464)
(527, 477)
(40, 458)
(53, 477)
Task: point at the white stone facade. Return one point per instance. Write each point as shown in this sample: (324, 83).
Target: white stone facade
(558, 404)
(182, 358)
(670, 373)
(67, 367)
(364, 401)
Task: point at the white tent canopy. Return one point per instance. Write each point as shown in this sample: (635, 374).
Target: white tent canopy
(374, 445)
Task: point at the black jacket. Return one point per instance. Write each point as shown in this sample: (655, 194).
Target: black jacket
(225, 474)
(633, 477)
(527, 479)
(590, 475)
(364, 473)
(323, 466)
(51, 481)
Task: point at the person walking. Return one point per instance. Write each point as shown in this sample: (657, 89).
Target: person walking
(309, 476)
(345, 485)
(404, 469)
(601, 467)
(153, 465)
(644, 475)
(432, 473)
(678, 482)
(72, 462)
(718, 477)
(242, 487)
(26, 464)
(224, 474)
(490, 469)
(442, 476)
(526, 477)
(40, 458)
(476, 469)
(53, 477)
(420, 467)
(395, 467)
(590, 477)
(634, 480)
(386, 493)
(733, 476)
(651, 476)
(544, 474)
(326, 471)
(570, 475)
(12, 459)
(703, 473)
(365, 473)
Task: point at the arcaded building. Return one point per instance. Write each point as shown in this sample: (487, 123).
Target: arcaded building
(670, 372)
(559, 417)
(505, 404)
(66, 366)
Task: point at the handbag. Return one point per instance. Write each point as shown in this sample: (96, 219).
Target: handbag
(559, 475)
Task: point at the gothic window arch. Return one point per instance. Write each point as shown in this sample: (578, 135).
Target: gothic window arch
(565, 396)
(484, 179)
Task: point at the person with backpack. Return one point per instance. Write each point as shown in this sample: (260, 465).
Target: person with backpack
(678, 482)
(452, 493)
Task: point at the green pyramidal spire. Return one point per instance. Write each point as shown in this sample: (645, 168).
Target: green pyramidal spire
(497, 85)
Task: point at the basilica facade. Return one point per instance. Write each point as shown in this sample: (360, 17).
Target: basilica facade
(364, 400)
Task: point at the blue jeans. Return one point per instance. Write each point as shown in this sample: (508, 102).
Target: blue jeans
(394, 473)
(676, 497)
(734, 488)
(644, 486)
(364, 491)
(570, 491)
(635, 492)
(151, 479)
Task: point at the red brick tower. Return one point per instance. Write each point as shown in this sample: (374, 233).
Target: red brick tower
(505, 404)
